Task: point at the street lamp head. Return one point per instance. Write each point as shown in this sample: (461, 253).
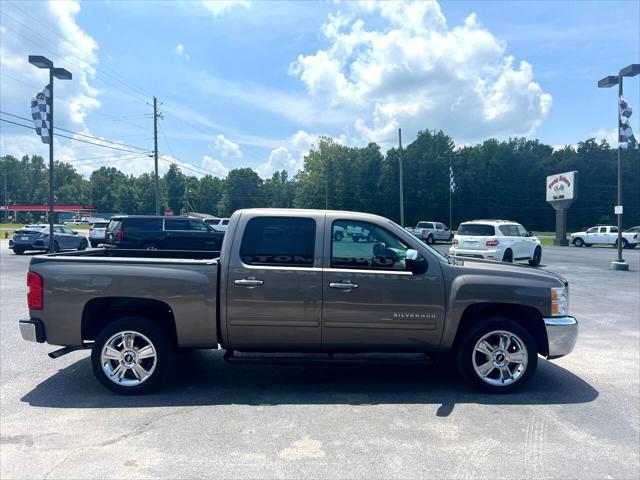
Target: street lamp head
(607, 82)
(62, 74)
(40, 61)
(630, 70)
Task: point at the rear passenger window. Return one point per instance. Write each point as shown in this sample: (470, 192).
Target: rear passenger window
(177, 224)
(279, 241)
(141, 224)
(198, 226)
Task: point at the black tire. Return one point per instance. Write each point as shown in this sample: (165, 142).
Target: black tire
(537, 256)
(151, 246)
(338, 236)
(466, 354)
(355, 238)
(587, 245)
(371, 238)
(18, 251)
(159, 339)
(625, 243)
(430, 240)
(632, 245)
(578, 242)
(508, 256)
(56, 247)
(94, 244)
(83, 245)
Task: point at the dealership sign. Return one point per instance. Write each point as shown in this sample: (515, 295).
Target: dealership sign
(561, 187)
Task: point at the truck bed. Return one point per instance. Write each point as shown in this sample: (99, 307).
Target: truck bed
(180, 286)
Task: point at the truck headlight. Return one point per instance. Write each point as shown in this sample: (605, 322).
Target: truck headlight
(559, 301)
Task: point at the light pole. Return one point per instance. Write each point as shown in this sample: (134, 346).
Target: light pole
(607, 82)
(61, 74)
(401, 178)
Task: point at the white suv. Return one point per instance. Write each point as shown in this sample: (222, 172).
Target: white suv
(496, 240)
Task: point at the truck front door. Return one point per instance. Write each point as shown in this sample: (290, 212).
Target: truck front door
(372, 302)
(274, 283)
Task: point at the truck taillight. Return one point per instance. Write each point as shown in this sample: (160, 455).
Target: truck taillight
(635, 237)
(120, 234)
(493, 242)
(34, 295)
(455, 241)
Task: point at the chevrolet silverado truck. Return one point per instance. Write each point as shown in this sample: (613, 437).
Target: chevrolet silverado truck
(283, 283)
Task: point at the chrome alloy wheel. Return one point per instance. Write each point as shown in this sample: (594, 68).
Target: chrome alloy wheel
(500, 358)
(128, 358)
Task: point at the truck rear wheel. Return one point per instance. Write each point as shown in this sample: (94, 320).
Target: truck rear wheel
(497, 355)
(131, 355)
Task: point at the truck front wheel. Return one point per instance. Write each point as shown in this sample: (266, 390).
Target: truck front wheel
(497, 355)
(131, 355)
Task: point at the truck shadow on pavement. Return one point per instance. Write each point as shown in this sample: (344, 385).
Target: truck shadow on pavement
(203, 378)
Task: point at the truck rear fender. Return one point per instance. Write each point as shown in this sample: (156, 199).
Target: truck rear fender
(99, 312)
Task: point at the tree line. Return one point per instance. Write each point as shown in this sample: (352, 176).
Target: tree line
(494, 179)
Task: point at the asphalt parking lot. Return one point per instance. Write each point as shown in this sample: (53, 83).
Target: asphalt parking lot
(578, 418)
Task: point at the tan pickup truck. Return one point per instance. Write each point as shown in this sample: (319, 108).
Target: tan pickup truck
(283, 283)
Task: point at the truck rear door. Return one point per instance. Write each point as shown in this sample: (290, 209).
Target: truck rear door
(371, 301)
(274, 283)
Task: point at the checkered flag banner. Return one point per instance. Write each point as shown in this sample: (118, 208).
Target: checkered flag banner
(41, 113)
(625, 138)
(452, 182)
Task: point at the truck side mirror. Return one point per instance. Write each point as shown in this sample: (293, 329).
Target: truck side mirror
(415, 263)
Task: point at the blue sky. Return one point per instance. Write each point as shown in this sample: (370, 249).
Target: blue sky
(255, 83)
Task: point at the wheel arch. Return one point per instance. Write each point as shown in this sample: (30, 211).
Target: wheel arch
(527, 316)
(100, 312)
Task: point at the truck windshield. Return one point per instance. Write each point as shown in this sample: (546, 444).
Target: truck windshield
(477, 229)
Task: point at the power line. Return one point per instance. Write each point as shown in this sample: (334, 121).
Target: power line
(73, 138)
(76, 65)
(102, 67)
(78, 133)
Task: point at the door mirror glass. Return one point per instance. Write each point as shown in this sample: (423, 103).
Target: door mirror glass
(412, 254)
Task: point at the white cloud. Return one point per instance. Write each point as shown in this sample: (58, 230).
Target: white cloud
(214, 167)
(290, 156)
(611, 136)
(179, 50)
(226, 148)
(218, 7)
(416, 72)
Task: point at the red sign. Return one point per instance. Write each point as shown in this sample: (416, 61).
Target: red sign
(168, 212)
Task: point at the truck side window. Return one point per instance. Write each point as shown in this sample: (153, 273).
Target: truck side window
(279, 241)
(363, 245)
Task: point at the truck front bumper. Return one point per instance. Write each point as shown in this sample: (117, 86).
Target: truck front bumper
(32, 330)
(562, 333)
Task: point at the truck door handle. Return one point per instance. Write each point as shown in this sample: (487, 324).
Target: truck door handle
(249, 282)
(343, 286)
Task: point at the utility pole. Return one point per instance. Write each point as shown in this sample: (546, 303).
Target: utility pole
(326, 185)
(401, 178)
(155, 154)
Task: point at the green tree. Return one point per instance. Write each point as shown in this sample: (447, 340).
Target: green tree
(174, 181)
(242, 189)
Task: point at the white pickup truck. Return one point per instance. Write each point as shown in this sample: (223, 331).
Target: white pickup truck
(604, 234)
(429, 232)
